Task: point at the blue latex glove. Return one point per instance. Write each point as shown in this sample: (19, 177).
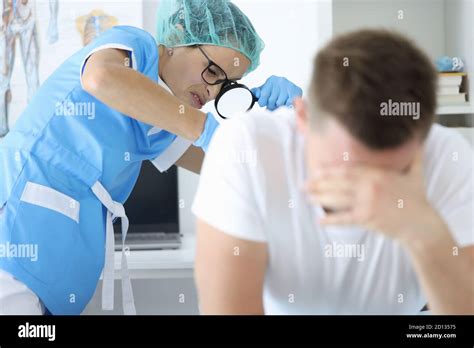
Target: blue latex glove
(210, 127)
(275, 92)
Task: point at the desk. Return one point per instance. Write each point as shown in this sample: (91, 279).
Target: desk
(159, 264)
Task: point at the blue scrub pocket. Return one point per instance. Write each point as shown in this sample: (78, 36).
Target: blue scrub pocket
(46, 230)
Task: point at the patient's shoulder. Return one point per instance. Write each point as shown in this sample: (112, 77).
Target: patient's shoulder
(441, 135)
(444, 143)
(265, 126)
(267, 140)
(448, 163)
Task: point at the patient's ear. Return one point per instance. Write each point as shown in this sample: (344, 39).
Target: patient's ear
(301, 114)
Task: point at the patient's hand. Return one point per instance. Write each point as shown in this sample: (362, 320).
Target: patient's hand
(392, 203)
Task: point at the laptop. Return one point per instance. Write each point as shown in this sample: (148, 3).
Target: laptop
(152, 210)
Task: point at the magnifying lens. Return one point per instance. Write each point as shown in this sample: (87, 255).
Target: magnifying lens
(233, 99)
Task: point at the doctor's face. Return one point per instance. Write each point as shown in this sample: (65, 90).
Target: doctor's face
(330, 144)
(183, 71)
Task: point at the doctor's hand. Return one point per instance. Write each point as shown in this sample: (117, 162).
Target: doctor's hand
(388, 202)
(275, 92)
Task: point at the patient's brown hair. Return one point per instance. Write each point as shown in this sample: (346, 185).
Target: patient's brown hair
(357, 72)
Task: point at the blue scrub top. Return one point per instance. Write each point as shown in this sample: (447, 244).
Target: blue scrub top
(65, 141)
(107, 145)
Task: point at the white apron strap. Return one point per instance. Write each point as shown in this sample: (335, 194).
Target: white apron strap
(114, 210)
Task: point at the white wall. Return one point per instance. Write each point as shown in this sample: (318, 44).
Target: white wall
(423, 20)
(290, 31)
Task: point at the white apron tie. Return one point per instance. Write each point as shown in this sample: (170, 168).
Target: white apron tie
(114, 210)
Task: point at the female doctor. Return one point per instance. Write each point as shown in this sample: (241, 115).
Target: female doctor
(74, 155)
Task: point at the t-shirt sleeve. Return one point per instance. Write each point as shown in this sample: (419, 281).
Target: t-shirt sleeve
(451, 184)
(231, 190)
(139, 44)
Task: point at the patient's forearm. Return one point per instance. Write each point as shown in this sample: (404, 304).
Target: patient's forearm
(445, 271)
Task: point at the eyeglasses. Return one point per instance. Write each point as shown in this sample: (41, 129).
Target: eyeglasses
(213, 74)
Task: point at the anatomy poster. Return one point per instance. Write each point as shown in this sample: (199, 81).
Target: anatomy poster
(36, 36)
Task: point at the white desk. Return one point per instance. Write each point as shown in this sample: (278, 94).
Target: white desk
(156, 264)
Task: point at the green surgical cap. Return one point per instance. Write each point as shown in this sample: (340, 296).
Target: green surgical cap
(208, 22)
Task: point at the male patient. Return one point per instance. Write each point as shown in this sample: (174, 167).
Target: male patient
(352, 203)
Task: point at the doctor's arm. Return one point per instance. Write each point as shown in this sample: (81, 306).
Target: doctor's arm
(109, 79)
(229, 272)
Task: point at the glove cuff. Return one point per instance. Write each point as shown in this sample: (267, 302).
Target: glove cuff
(209, 128)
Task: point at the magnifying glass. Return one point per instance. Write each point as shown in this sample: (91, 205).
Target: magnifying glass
(233, 99)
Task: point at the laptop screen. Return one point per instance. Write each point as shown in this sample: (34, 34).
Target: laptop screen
(153, 203)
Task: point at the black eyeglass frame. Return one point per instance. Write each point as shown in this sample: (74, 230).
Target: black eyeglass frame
(223, 81)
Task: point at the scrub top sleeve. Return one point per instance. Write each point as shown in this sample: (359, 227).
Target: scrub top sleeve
(137, 42)
(171, 154)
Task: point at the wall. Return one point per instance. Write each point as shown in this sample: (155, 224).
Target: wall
(460, 35)
(423, 20)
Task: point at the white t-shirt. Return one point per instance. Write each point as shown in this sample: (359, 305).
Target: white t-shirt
(250, 189)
